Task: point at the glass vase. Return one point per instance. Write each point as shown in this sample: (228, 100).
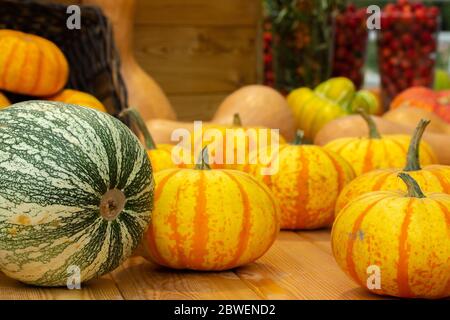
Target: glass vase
(302, 42)
(351, 35)
(407, 47)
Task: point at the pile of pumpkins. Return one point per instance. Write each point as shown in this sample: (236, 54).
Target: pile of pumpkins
(373, 185)
(79, 189)
(34, 66)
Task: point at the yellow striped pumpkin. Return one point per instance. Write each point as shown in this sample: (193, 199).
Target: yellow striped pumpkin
(210, 219)
(377, 152)
(239, 139)
(31, 65)
(307, 183)
(433, 178)
(4, 102)
(80, 98)
(395, 242)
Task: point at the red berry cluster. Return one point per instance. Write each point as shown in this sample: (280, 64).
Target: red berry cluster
(350, 44)
(407, 41)
(269, 79)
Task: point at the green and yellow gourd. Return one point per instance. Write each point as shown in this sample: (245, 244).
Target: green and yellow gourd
(76, 192)
(334, 98)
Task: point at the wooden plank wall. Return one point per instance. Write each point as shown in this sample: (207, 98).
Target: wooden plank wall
(199, 51)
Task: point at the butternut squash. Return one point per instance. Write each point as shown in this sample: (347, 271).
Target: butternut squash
(355, 126)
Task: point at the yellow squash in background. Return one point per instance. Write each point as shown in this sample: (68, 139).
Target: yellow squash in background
(332, 99)
(231, 142)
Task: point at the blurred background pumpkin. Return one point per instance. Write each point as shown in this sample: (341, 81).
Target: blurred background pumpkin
(4, 102)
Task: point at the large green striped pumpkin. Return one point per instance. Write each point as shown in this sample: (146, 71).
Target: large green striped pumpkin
(76, 192)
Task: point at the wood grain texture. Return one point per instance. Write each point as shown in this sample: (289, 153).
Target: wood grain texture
(197, 60)
(295, 268)
(139, 279)
(199, 48)
(198, 12)
(195, 49)
(197, 107)
(320, 238)
(99, 289)
(298, 266)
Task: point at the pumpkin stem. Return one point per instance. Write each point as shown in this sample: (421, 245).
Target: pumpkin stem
(373, 130)
(413, 160)
(414, 190)
(137, 119)
(237, 120)
(203, 161)
(111, 204)
(299, 135)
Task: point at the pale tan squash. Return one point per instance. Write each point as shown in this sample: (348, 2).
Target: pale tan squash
(258, 105)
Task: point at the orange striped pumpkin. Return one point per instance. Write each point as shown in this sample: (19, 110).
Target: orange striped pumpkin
(433, 178)
(307, 183)
(80, 98)
(396, 243)
(4, 102)
(377, 152)
(210, 220)
(31, 65)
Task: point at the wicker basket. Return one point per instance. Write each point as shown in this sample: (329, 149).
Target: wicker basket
(90, 50)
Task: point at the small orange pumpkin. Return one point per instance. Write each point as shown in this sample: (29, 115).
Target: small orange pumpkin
(80, 98)
(210, 220)
(433, 178)
(376, 152)
(395, 242)
(306, 181)
(4, 102)
(31, 65)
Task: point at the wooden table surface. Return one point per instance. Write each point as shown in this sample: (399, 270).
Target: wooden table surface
(298, 266)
